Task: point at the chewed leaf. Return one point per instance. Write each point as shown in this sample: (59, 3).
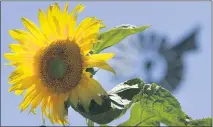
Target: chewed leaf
(115, 35)
(200, 122)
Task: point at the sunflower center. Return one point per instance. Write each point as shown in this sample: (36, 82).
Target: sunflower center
(57, 68)
(60, 66)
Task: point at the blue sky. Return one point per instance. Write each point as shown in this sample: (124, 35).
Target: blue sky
(173, 19)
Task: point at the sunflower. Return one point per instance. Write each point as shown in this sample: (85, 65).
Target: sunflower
(51, 62)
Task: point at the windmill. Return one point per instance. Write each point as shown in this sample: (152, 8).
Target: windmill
(154, 59)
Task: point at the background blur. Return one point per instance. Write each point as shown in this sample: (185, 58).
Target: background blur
(177, 47)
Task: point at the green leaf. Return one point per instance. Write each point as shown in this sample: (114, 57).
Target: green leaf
(153, 105)
(115, 35)
(200, 122)
(141, 117)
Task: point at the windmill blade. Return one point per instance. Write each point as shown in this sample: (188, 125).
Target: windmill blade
(189, 43)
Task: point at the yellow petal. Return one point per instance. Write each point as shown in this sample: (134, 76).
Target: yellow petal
(33, 111)
(84, 97)
(89, 39)
(60, 109)
(19, 92)
(57, 16)
(11, 64)
(16, 48)
(56, 8)
(29, 91)
(57, 24)
(93, 87)
(79, 8)
(74, 98)
(55, 108)
(34, 30)
(44, 24)
(73, 18)
(94, 84)
(103, 56)
(22, 84)
(51, 21)
(29, 100)
(66, 7)
(87, 27)
(97, 63)
(16, 75)
(30, 94)
(49, 104)
(87, 22)
(65, 20)
(19, 57)
(36, 101)
(43, 108)
(25, 39)
(86, 48)
(94, 28)
(24, 60)
(52, 107)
